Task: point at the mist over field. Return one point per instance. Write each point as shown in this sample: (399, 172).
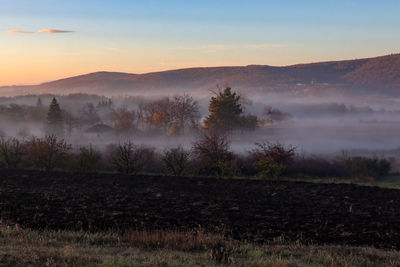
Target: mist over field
(322, 125)
(326, 119)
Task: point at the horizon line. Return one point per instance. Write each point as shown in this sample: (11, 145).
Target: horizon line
(195, 67)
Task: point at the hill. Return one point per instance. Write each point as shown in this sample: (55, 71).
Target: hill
(380, 75)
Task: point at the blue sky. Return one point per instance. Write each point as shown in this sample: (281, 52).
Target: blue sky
(143, 36)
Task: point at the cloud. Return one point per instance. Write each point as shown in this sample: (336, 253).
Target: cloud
(225, 47)
(17, 32)
(51, 31)
(261, 46)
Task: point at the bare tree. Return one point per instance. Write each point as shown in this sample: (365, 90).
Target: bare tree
(275, 115)
(126, 158)
(176, 160)
(212, 150)
(185, 112)
(88, 158)
(48, 152)
(11, 152)
(270, 159)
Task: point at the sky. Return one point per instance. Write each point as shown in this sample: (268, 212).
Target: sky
(43, 40)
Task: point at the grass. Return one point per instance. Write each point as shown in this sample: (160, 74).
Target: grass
(391, 181)
(24, 247)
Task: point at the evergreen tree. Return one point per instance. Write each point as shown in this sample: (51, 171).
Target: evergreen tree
(39, 103)
(55, 119)
(225, 112)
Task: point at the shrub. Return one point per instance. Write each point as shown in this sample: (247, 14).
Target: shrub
(367, 167)
(175, 160)
(126, 158)
(11, 152)
(88, 159)
(314, 166)
(213, 155)
(268, 167)
(271, 159)
(48, 152)
(150, 160)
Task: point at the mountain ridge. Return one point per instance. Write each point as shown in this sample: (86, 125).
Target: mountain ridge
(378, 74)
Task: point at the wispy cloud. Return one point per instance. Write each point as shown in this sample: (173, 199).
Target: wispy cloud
(225, 47)
(262, 46)
(17, 32)
(52, 31)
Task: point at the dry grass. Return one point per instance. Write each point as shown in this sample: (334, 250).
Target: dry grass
(23, 247)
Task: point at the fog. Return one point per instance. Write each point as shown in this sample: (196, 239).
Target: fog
(315, 125)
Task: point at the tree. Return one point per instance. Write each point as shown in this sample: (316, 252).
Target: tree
(88, 159)
(157, 114)
(123, 120)
(171, 115)
(11, 152)
(70, 121)
(274, 115)
(214, 156)
(55, 119)
(270, 159)
(127, 158)
(176, 160)
(39, 103)
(48, 152)
(185, 112)
(225, 111)
(226, 114)
(88, 114)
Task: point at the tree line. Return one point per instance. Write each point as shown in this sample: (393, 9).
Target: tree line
(174, 115)
(209, 155)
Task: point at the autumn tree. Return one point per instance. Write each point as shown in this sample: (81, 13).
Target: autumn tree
(123, 120)
(55, 119)
(170, 115)
(157, 114)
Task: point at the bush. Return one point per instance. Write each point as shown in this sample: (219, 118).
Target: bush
(367, 167)
(126, 159)
(12, 152)
(88, 159)
(175, 160)
(347, 167)
(213, 155)
(271, 159)
(314, 166)
(48, 152)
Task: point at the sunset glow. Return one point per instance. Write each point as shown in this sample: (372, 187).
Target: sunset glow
(47, 40)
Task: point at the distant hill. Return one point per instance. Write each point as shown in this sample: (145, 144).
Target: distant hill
(380, 75)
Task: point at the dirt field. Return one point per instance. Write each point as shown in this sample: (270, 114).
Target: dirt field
(245, 209)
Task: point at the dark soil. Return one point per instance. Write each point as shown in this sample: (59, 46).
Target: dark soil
(245, 209)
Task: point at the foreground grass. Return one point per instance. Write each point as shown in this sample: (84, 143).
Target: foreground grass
(22, 247)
